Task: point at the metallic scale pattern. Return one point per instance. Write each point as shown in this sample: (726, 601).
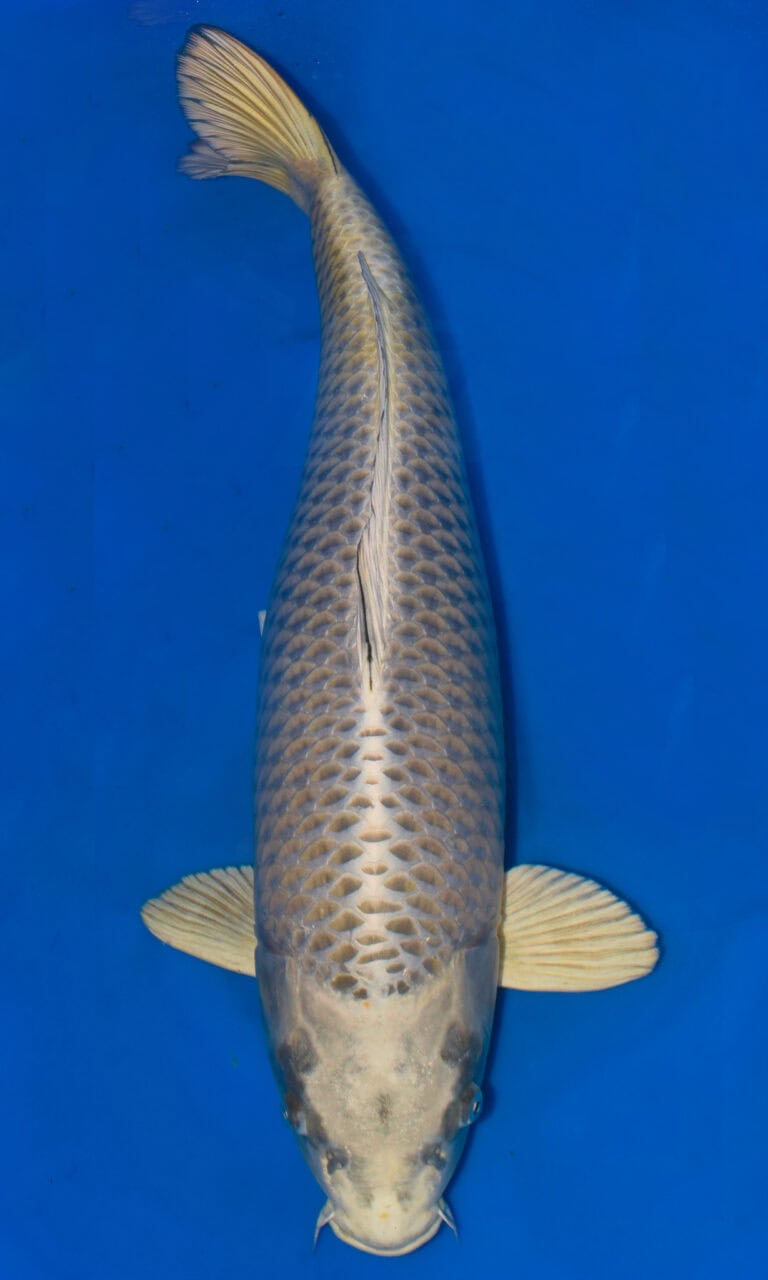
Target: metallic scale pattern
(379, 811)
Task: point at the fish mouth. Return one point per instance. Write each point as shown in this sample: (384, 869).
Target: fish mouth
(385, 1251)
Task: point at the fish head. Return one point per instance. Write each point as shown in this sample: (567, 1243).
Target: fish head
(381, 1093)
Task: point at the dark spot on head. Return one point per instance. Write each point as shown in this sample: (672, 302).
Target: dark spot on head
(335, 1158)
(315, 1128)
(294, 1112)
(461, 1049)
(384, 1109)
(296, 1058)
(451, 1120)
(303, 1053)
(434, 1156)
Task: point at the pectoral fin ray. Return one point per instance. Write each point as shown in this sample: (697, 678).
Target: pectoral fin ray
(559, 931)
(210, 916)
(562, 932)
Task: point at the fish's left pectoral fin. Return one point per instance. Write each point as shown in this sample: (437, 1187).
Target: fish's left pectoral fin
(209, 916)
(562, 932)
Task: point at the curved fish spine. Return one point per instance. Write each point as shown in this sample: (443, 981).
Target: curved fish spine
(379, 778)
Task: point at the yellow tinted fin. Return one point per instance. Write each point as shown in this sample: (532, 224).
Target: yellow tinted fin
(209, 916)
(249, 121)
(201, 161)
(561, 932)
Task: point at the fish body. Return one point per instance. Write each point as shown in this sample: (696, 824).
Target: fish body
(378, 876)
(380, 764)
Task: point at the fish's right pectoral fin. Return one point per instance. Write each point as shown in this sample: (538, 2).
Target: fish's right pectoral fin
(562, 932)
(210, 916)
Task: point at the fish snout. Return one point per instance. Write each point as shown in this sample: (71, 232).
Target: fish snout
(384, 1228)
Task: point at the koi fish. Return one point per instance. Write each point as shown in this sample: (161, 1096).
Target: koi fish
(377, 918)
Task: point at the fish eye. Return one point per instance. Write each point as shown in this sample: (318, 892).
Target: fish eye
(293, 1112)
(470, 1105)
(336, 1158)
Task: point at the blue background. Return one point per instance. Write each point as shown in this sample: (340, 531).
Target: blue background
(582, 192)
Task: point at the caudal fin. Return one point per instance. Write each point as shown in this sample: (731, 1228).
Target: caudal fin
(248, 120)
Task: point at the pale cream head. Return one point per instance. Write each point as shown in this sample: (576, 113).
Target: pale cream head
(381, 1093)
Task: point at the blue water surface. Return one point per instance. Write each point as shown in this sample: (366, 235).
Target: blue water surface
(581, 189)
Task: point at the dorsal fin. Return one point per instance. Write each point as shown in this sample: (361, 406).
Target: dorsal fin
(372, 547)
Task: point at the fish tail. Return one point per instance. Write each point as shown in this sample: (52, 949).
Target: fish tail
(248, 122)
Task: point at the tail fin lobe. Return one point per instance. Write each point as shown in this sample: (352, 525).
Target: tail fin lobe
(249, 122)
